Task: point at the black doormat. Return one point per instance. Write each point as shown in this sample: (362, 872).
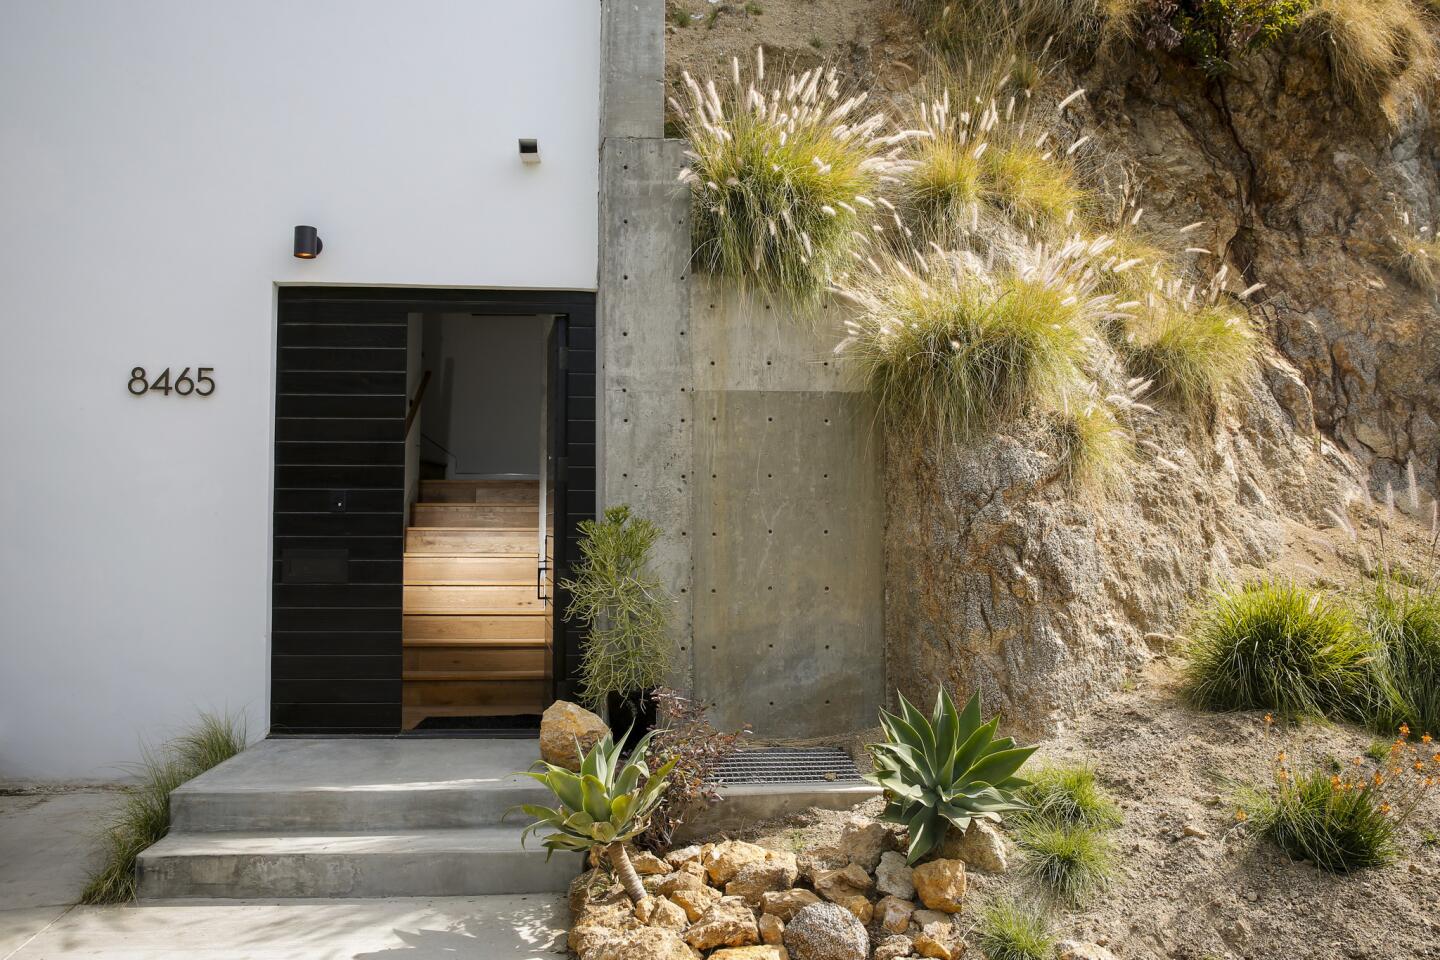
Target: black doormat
(519, 721)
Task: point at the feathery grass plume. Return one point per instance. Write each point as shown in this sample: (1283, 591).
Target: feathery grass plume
(990, 159)
(1415, 255)
(1273, 645)
(784, 176)
(144, 814)
(1068, 861)
(1090, 442)
(1382, 52)
(1192, 349)
(1069, 794)
(1010, 931)
(949, 349)
(959, 26)
(1405, 622)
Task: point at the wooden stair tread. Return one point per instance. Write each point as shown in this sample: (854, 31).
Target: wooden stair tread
(433, 676)
(471, 583)
(477, 643)
(529, 530)
(469, 556)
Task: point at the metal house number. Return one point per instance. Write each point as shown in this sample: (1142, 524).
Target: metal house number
(201, 385)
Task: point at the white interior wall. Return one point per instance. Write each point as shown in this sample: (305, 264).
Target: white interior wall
(487, 393)
(154, 157)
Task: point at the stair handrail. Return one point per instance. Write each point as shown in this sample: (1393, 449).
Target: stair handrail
(414, 410)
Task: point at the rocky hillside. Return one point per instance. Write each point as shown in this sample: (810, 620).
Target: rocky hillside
(999, 575)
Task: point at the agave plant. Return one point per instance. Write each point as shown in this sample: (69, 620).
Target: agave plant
(604, 805)
(944, 770)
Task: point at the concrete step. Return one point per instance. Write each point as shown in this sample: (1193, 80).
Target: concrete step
(340, 786)
(422, 863)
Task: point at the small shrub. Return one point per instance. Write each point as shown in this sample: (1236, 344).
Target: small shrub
(1275, 646)
(144, 815)
(624, 606)
(1070, 795)
(698, 749)
(944, 770)
(947, 350)
(1191, 354)
(782, 177)
(1342, 823)
(1217, 34)
(1405, 623)
(604, 805)
(965, 26)
(1068, 861)
(1009, 931)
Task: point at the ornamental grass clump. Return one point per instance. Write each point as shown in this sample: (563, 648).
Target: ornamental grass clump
(1192, 353)
(784, 176)
(1070, 795)
(948, 349)
(1347, 820)
(1091, 444)
(1010, 931)
(143, 817)
(1273, 645)
(1069, 862)
(1405, 624)
(624, 606)
(1415, 255)
(1382, 52)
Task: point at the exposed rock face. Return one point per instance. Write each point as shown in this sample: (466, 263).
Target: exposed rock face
(562, 724)
(824, 931)
(1003, 579)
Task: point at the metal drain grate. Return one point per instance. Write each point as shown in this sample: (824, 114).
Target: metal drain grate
(789, 765)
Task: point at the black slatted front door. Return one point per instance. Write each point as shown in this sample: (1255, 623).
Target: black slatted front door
(339, 517)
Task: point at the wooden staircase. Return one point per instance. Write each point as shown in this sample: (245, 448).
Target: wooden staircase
(477, 638)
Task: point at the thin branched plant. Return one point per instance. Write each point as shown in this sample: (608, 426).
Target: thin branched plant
(624, 606)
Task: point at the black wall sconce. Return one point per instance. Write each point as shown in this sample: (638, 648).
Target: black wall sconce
(307, 243)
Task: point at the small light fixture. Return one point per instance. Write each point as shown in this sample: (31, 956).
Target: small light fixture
(529, 150)
(307, 243)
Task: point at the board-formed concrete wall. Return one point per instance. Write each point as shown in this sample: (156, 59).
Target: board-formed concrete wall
(787, 536)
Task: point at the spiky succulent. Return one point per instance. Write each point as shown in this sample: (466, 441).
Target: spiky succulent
(943, 770)
(606, 803)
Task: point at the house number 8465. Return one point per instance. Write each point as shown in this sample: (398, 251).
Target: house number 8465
(201, 385)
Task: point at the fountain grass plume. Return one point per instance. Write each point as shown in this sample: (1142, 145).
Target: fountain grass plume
(785, 176)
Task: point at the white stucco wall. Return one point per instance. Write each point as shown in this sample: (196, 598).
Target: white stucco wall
(154, 156)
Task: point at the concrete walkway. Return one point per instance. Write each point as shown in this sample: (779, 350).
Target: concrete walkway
(46, 849)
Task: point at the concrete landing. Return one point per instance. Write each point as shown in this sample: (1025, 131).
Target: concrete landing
(356, 818)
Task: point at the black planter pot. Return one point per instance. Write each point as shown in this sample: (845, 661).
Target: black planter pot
(634, 712)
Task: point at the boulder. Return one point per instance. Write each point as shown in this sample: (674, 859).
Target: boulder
(824, 931)
(648, 865)
(1076, 950)
(695, 901)
(894, 947)
(729, 923)
(894, 914)
(981, 846)
(668, 883)
(776, 872)
(936, 947)
(940, 885)
(772, 929)
(765, 952)
(848, 887)
(645, 943)
(723, 860)
(864, 840)
(786, 903)
(678, 858)
(669, 914)
(562, 724)
(893, 876)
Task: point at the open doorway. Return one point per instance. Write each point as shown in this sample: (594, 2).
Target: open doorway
(423, 524)
(478, 633)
